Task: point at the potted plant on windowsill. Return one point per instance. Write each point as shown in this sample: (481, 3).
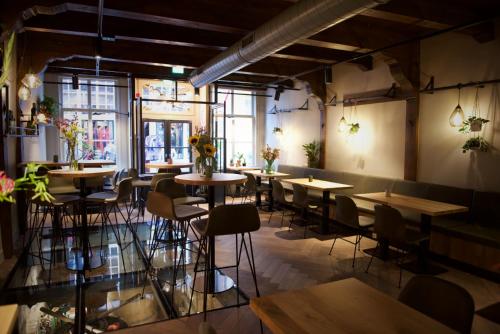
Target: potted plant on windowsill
(475, 144)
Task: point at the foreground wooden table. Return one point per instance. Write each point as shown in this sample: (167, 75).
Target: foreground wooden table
(326, 187)
(346, 306)
(8, 318)
(427, 209)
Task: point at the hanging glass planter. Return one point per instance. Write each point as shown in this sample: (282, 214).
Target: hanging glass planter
(457, 115)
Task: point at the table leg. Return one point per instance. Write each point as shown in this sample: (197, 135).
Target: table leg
(217, 281)
(324, 227)
(258, 199)
(422, 265)
(271, 199)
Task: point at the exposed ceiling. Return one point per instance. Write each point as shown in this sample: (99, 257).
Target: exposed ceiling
(146, 37)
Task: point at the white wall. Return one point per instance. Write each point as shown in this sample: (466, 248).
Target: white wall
(299, 126)
(454, 58)
(378, 147)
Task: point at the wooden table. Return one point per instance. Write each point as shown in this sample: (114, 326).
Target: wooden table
(217, 283)
(85, 163)
(259, 175)
(241, 168)
(166, 165)
(8, 316)
(82, 261)
(427, 209)
(326, 187)
(346, 306)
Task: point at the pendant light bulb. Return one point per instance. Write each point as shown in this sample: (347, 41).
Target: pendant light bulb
(24, 93)
(343, 126)
(31, 80)
(457, 116)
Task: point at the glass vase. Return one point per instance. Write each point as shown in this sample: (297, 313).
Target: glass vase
(73, 163)
(269, 166)
(205, 169)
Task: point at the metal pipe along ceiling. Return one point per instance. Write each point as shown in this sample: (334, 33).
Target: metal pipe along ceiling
(301, 20)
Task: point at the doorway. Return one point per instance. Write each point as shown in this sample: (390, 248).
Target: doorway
(164, 139)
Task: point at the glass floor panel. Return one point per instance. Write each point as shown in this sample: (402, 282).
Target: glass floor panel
(120, 292)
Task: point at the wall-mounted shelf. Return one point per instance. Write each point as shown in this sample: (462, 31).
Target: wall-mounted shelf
(390, 94)
(274, 110)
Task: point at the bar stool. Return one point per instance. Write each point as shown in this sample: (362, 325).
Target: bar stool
(238, 219)
(163, 209)
(57, 209)
(109, 202)
(178, 192)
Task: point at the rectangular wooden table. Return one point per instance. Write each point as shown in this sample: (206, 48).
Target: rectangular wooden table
(326, 187)
(8, 316)
(427, 209)
(259, 175)
(346, 306)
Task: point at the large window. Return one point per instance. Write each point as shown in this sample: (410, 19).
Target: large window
(240, 124)
(94, 105)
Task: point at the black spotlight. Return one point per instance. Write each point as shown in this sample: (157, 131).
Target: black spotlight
(74, 81)
(328, 75)
(278, 92)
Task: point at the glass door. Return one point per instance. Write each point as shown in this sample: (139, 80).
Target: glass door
(164, 139)
(154, 141)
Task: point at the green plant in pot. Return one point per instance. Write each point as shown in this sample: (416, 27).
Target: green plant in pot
(49, 108)
(312, 153)
(473, 124)
(476, 144)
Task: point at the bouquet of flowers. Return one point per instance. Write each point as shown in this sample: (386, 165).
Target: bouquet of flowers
(205, 161)
(269, 155)
(70, 131)
(30, 181)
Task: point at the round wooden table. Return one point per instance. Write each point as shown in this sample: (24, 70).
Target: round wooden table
(85, 163)
(82, 262)
(218, 282)
(166, 165)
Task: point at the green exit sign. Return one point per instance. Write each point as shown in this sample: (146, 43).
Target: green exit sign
(178, 70)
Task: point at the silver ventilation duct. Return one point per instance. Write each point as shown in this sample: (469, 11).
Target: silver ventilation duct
(301, 20)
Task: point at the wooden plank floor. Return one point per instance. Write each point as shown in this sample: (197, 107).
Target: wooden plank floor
(285, 260)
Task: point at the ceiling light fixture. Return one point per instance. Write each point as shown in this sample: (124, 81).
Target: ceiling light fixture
(457, 115)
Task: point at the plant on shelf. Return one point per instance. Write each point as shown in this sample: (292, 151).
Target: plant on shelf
(70, 132)
(29, 181)
(473, 124)
(312, 153)
(269, 155)
(476, 144)
(205, 161)
(48, 110)
(353, 128)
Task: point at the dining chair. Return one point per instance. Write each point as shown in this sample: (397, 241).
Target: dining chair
(250, 188)
(347, 215)
(302, 202)
(238, 220)
(282, 202)
(442, 300)
(391, 229)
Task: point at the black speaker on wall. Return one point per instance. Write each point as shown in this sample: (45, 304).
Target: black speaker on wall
(328, 75)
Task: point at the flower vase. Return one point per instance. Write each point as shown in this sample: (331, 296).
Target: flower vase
(73, 163)
(205, 169)
(269, 168)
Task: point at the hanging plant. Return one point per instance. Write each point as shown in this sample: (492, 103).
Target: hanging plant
(277, 130)
(473, 124)
(476, 144)
(353, 128)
